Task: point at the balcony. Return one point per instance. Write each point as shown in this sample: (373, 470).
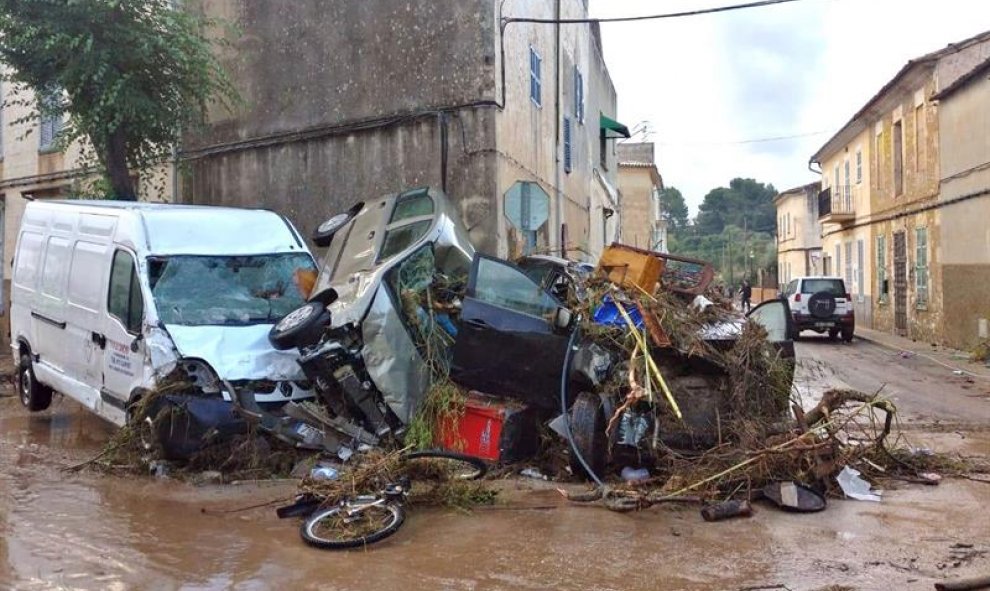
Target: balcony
(837, 207)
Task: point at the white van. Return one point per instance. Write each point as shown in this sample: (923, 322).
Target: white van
(111, 299)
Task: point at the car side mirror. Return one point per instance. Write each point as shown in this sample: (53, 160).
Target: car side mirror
(563, 317)
(136, 343)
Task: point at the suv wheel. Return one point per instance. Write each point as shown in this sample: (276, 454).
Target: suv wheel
(833, 333)
(821, 305)
(847, 334)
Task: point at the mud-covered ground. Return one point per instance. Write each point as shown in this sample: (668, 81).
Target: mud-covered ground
(62, 530)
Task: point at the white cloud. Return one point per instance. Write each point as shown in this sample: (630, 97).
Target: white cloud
(788, 69)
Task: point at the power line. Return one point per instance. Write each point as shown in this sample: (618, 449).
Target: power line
(747, 141)
(626, 19)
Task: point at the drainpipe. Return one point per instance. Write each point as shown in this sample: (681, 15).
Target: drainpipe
(558, 194)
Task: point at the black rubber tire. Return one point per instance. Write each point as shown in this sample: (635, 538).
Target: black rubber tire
(478, 466)
(34, 396)
(323, 234)
(847, 334)
(588, 430)
(821, 305)
(833, 333)
(309, 535)
(303, 326)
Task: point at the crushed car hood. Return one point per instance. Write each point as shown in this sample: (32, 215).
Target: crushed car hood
(237, 352)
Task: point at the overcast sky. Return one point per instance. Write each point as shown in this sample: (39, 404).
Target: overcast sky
(706, 83)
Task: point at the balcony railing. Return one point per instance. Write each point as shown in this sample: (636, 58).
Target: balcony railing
(835, 204)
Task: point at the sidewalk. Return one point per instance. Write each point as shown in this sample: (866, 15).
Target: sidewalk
(950, 358)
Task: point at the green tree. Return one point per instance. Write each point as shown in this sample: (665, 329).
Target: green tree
(744, 203)
(673, 209)
(133, 74)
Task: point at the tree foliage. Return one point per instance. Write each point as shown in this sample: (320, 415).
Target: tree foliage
(133, 74)
(734, 230)
(673, 209)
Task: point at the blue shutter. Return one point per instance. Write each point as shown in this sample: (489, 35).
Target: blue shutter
(535, 82)
(567, 144)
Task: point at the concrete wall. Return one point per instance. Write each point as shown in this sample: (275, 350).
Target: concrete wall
(964, 129)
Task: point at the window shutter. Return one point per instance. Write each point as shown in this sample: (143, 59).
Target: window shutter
(567, 144)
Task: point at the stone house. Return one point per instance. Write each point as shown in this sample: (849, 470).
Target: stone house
(799, 239)
(880, 208)
(640, 184)
(964, 197)
(344, 101)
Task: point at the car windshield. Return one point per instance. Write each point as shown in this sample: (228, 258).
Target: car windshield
(832, 286)
(229, 290)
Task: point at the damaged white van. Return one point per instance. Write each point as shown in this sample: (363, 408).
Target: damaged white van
(109, 300)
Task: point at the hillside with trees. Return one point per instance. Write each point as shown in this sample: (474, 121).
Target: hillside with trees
(734, 229)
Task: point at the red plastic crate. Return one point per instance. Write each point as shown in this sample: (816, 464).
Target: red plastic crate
(493, 429)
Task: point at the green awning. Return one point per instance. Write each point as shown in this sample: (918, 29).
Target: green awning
(611, 128)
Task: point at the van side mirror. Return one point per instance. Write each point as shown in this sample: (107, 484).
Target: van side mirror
(563, 317)
(136, 343)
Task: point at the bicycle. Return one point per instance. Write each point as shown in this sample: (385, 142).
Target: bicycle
(366, 519)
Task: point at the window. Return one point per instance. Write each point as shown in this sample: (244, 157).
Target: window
(849, 263)
(835, 185)
(28, 255)
(49, 125)
(84, 290)
(876, 161)
(2, 101)
(898, 159)
(846, 189)
(788, 224)
(567, 145)
(860, 260)
(921, 266)
(859, 166)
(832, 286)
(919, 137)
(838, 259)
(503, 285)
(578, 96)
(882, 268)
(124, 300)
(535, 79)
(602, 149)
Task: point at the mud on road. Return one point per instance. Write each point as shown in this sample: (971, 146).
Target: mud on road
(62, 530)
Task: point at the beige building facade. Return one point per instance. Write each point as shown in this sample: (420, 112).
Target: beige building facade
(799, 239)
(964, 194)
(880, 206)
(640, 184)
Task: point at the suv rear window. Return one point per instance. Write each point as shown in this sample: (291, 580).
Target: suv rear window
(835, 287)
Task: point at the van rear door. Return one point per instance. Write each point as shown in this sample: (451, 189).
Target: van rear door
(123, 357)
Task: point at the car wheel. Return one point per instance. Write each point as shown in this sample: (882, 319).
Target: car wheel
(588, 430)
(301, 327)
(833, 333)
(325, 231)
(33, 395)
(847, 334)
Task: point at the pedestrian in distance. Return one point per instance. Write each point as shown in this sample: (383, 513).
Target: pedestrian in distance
(745, 295)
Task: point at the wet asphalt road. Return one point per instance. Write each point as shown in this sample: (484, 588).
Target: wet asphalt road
(62, 530)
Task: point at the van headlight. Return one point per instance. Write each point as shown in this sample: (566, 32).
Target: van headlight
(201, 375)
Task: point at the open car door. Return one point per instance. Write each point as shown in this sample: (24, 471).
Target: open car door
(513, 335)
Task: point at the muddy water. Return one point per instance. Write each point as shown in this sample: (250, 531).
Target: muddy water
(86, 531)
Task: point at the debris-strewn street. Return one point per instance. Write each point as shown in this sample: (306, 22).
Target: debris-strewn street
(84, 530)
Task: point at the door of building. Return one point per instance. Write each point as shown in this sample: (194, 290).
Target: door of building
(900, 283)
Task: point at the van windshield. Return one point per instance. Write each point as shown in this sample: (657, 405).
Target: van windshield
(229, 290)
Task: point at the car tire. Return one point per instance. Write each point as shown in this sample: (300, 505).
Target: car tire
(833, 333)
(34, 396)
(821, 305)
(301, 327)
(325, 231)
(588, 431)
(847, 334)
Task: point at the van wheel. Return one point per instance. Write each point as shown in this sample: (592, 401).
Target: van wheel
(34, 396)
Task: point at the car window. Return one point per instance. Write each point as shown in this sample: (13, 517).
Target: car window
(505, 286)
(401, 238)
(832, 286)
(772, 316)
(124, 299)
(412, 206)
(791, 288)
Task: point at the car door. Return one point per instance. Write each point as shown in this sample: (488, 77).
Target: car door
(123, 357)
(507, 343)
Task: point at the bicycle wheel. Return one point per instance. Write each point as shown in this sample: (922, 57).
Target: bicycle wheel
(349, 526)
(439, 464)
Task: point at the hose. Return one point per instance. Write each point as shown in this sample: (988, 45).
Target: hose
(565, 372)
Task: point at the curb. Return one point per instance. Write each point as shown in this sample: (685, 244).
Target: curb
(954, 368)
